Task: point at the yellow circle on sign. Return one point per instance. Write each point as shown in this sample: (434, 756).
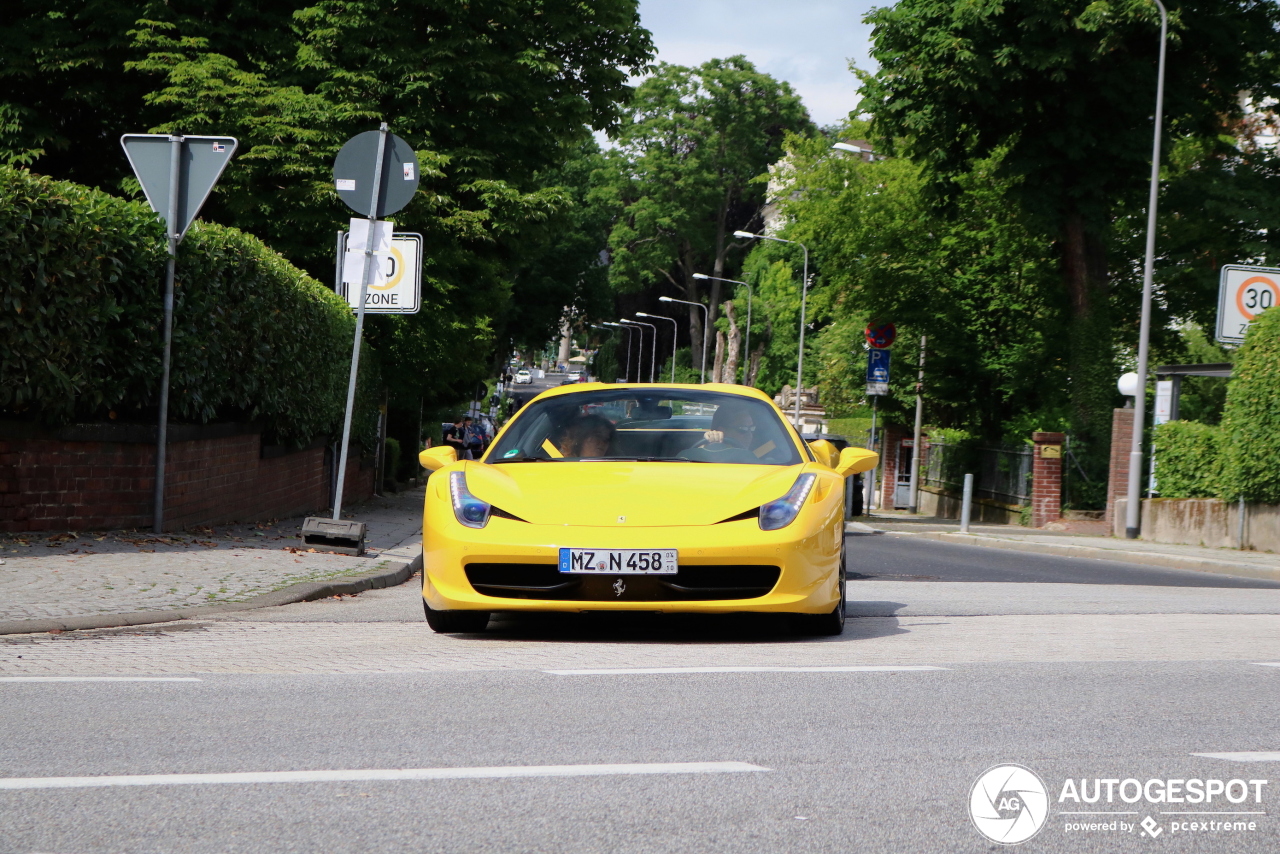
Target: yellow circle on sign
(394, 280)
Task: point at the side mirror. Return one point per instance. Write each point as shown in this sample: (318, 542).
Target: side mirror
(855, 461)
(825, 452)
(437, 457)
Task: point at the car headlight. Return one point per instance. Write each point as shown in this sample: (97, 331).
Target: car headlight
(782, 512)
(468, 509)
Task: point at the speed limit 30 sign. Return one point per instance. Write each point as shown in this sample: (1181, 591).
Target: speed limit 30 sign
(1245, 292)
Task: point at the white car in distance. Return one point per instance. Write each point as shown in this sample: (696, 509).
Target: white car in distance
(523, 376)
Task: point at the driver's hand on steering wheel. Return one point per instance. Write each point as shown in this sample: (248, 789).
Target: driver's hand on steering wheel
(713, 437)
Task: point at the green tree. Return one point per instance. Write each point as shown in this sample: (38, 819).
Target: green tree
(1063, 89)
(495, 97)
(683, 177)
(979, 283)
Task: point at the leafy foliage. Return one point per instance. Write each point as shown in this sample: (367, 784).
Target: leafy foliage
(493, 96)
(1252, 418)
(254, 337)
(683, 177)
(1189, 459)
(980, 284)
(1059, 89)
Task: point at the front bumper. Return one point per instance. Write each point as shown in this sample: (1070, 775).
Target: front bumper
(806, 558)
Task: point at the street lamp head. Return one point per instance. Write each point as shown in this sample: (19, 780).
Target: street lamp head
(701, 276)
(664, 299)
(642, 314)
(1129, 384)
(844, 146)
(745, 234)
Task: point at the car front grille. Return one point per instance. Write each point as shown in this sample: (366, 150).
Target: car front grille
(690, 583)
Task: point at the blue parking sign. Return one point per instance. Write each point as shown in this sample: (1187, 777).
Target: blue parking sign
(877, 366)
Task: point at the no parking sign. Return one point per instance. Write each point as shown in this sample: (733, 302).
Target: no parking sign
(1244, 293)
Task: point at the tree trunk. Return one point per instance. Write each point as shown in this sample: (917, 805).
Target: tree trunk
(717, 366)
(717, 268)
(730, 373)
(1091, 359)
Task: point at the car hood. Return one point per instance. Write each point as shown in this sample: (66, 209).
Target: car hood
(644, 493)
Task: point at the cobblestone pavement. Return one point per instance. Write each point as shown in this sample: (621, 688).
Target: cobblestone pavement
(77, 574)
(233, 647)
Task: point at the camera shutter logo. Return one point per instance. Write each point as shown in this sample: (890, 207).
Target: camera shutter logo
(1009, 804)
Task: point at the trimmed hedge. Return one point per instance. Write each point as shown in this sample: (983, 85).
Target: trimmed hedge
(1188, 459)
(254, 337)
(1251, 421)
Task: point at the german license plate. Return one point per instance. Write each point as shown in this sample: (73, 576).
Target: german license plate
(619, 561)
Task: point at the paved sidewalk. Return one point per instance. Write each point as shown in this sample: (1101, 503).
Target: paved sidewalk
(1249, 564)
(91, 580)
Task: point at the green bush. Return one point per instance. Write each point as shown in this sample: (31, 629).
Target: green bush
(254, 338)
(1251, 421)
(1188, 459)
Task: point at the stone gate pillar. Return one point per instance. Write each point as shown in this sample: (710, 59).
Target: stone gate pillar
(1046, 479)
(1118, 474)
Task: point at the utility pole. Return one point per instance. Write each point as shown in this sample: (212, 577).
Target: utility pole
(914, 504)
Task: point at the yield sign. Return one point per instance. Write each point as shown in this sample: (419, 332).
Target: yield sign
(200, 164)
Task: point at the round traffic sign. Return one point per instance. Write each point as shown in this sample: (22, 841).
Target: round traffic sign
(354, 171)
(881, 335)
(1256, 294)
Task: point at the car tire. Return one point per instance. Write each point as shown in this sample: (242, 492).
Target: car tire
(455, 622)
(826, 625)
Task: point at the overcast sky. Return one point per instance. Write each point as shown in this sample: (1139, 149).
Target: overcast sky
(808, 43)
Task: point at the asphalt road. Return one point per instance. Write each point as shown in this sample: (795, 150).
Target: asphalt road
(868, 742)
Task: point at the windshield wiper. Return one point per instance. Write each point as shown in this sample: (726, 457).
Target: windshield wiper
(524, 460)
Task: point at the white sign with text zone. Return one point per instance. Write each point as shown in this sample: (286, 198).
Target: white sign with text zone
(1244, 293)
(397, 279)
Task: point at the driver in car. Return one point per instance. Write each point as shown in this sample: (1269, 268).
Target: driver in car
(732, 426)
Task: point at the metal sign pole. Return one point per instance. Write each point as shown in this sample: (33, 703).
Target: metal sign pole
(870, 485)
(162, 433)
(379, 168)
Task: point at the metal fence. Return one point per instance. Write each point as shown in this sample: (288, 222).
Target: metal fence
(1000, 472)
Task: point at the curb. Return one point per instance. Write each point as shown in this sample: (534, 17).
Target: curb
(1197, 564)
(401, 569)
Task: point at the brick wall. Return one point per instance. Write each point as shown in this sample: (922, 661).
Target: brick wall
(892, 436)
(93, 477)
(1046, 478)
(1121, 441)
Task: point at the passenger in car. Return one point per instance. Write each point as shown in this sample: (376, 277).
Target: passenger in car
(586, 436)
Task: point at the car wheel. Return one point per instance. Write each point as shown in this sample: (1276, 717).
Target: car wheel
(455, 622)
(824, 624)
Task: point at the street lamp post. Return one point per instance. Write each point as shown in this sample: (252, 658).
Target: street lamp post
(746, 365)
(626, 376)
(653, 354)
(702, 375)
(1133, 505)
(804, 298)
(674, 333)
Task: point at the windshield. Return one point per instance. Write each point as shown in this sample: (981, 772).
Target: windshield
(648, 424)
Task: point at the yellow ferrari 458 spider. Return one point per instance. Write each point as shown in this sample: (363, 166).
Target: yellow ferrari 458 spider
(660, 498)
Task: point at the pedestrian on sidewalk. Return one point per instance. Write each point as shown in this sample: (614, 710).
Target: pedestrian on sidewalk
(455, 436)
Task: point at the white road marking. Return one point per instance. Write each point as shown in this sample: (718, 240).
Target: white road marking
(1268, 663)
(99, 679)
(1245, 756)
(851, 668)
(380, 774)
